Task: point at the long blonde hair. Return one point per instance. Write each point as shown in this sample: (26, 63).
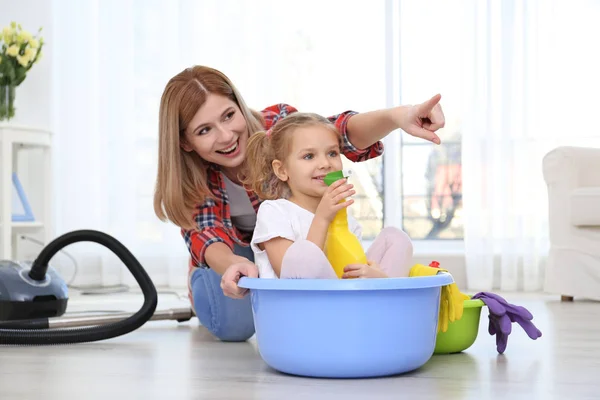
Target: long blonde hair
(265, 147)
(181, 182)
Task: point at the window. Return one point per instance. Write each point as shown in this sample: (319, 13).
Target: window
(423, 191)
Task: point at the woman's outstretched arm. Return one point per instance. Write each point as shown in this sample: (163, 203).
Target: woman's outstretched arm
(420, 120)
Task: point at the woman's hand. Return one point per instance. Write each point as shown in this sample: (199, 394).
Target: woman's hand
(231, 277)
(370, 270)
(331, 202)
(422, 120)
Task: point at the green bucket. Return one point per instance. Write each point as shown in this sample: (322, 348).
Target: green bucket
(461, 334)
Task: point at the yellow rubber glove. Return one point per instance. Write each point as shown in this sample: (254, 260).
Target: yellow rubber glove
(451, 299)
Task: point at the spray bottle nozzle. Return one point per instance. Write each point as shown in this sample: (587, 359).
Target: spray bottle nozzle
(337, 175)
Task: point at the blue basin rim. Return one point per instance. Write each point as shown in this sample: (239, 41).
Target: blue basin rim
(417, 282)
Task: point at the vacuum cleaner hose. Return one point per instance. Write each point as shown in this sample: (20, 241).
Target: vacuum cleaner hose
(27, 332)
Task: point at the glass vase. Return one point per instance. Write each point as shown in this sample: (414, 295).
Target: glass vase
(7, 102)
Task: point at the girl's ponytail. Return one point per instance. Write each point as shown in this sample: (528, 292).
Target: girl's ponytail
(259, 176)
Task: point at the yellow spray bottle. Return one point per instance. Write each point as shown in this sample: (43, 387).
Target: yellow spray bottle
(342, 247)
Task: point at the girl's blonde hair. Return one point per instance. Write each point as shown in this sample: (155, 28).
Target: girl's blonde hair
(181, 182)
(266, 147)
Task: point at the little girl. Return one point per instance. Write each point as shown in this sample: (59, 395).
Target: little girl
(286, 167)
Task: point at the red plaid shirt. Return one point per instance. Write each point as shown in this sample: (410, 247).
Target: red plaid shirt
(213, 217)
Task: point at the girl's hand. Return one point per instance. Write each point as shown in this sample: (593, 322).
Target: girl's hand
(371, 270)
(422, 120)
(331, 202)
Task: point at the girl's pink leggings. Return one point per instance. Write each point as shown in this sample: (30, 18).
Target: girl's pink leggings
(392, 250)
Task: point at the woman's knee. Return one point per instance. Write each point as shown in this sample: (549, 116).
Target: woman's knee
(234, 330)
(226, 318)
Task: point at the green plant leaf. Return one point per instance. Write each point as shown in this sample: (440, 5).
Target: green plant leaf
(20, 76)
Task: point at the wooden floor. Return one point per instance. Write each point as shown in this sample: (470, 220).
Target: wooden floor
(167, 360)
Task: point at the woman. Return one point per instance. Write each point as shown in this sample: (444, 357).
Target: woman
(204, 125)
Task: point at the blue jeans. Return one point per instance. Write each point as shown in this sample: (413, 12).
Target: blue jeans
(230, 320)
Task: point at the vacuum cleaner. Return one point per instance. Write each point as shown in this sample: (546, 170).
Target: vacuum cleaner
(33, 298)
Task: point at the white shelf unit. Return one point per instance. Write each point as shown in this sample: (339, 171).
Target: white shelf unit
(13, 139)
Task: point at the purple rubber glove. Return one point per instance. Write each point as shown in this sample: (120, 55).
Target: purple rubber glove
(502, 315)
(501, 327)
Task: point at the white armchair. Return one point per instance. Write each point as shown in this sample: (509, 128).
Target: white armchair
(572, 175)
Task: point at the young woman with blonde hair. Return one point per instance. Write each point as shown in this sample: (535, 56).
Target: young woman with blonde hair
(204, 127)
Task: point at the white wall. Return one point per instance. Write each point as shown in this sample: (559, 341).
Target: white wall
(33, 99)
(34, 103)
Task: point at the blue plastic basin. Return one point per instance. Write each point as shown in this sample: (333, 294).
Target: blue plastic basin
(346, 328)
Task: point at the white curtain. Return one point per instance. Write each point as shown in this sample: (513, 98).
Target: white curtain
(531, 80)
(112, 61)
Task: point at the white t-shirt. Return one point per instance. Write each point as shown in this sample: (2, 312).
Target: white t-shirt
(282, 218)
